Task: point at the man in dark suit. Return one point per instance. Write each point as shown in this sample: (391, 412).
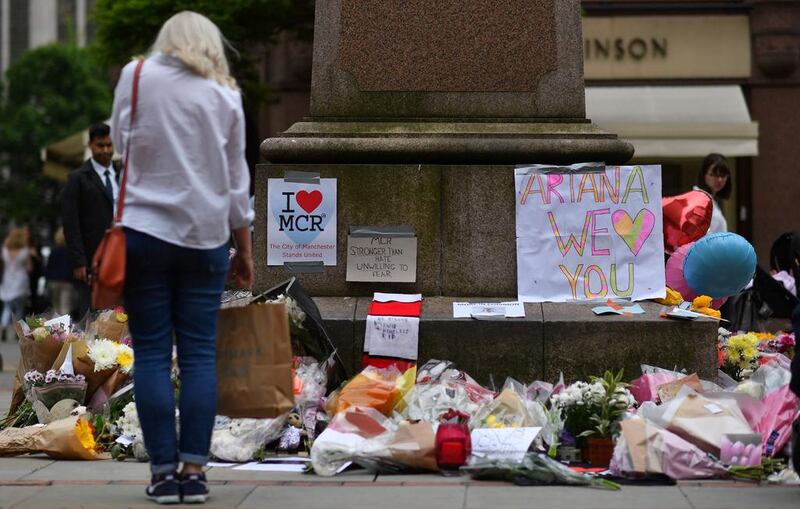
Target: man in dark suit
(88, 204)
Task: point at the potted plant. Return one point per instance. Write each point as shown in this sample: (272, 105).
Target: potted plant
(592, 412)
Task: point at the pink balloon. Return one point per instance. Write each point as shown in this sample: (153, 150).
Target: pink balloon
(674, 272)
(676, 281)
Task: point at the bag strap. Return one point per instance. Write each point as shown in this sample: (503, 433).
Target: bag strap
(124, 181)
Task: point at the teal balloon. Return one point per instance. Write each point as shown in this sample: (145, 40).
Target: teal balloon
(719, 265)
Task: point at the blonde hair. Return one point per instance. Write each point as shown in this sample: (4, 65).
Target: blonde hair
(15, 239)
(197, 42)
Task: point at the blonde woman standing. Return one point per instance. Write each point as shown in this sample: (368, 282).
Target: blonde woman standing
(15, 287)
(187, 193)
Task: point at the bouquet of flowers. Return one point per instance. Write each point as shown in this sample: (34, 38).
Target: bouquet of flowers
(109, 324)
(738, 355)
(72, 438)
(596, 408)
(52, 387)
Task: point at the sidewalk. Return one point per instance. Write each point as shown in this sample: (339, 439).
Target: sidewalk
(38, 482)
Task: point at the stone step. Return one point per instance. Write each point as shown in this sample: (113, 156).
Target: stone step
(552, 338)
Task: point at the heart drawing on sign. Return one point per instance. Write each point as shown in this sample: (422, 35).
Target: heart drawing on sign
(308, 201)
(634, 232)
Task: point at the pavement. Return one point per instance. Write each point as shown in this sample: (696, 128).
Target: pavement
(39, 482)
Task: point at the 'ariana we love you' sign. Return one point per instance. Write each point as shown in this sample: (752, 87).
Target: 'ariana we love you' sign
(301, 222)
(589, 232)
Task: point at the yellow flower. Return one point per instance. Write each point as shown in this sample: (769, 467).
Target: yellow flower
(703, 301)
(121, 317)
(83, 430)
(673, 298)
(125, 358)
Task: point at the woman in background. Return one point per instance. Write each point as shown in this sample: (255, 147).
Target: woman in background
(59, 276)
(15, 287)
(187, 192)
(715, 179)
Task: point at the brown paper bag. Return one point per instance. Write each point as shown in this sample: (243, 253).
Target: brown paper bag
(254, 361)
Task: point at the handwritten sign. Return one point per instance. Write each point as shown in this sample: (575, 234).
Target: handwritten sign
(502, 443)
(301, 222)
(587, 235)
(382, 258)
(392, 336)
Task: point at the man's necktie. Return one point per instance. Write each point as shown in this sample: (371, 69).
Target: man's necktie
(109, 187)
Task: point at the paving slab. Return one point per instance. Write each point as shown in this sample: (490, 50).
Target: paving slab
(552, 497)
(355, 497)
(229, 474)
(10, 495)
(106, 496)
(19, 468)
(744, 497)
(104, 470)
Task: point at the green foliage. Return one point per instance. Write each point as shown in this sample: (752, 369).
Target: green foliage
(128, 27)
(51, 92)
(611, 409)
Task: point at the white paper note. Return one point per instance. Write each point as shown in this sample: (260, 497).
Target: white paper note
(397, 297)
(513, 309)
(64, 320)
(502, 443)
(392, 336)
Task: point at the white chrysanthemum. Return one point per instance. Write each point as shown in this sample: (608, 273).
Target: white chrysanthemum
(296, 313)
(129, 421)
(103, 353)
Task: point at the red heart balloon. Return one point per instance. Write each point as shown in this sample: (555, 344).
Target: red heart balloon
(686, 218)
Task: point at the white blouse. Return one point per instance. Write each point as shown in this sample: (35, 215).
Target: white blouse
(188, 181)
(718, 221)
(15, 282)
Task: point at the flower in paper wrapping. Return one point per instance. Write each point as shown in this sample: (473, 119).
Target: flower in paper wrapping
(103, 353)
(85, 434)
(125, 358)
(40, 334)
(673, 298)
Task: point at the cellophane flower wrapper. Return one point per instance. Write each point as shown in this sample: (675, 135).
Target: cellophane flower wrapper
(534, 470)
(507, 410)
(378, 388)
(108, 324)
(64, 439)
(775, 424)
(645, 448)
(428, 401)
(370, 439)
(52, 393)
(698, 419)
(645, 388)
(240, 439)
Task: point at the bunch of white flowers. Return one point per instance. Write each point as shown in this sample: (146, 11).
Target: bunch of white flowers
(296, 313)
(128, 422)
(103, 353)
(586, 394)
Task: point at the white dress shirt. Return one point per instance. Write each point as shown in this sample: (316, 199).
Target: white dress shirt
(188, 181)
(101, 172)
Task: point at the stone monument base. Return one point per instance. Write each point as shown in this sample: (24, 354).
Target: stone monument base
(450, 141)
(551, 339)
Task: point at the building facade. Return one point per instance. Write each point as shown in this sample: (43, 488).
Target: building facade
(26, 24)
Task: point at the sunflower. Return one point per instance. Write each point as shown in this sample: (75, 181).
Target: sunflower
(85, 434)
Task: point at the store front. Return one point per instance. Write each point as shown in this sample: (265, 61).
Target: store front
(676, 91)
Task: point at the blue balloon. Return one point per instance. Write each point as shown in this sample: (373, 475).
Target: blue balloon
(719, 265)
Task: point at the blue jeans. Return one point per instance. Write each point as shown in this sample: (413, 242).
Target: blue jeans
(172, 291)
